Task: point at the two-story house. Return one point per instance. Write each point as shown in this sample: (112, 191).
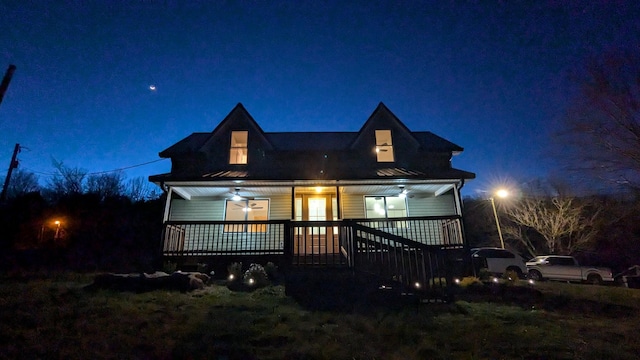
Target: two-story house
(377, 199)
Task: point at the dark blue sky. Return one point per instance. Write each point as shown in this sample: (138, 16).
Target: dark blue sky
(490, 77)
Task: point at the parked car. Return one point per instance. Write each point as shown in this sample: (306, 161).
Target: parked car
(497, 261)
(555, 267)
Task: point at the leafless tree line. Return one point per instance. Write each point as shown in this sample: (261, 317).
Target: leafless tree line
(73, 180)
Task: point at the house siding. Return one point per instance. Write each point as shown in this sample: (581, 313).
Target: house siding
(280, 207)
(442, 205)
(196, 210)
(213, 238)
(352, 206)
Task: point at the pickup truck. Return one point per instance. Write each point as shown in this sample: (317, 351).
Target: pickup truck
(566, 268)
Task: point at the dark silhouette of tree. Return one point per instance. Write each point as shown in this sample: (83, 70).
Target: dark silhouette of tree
(22, 182)
(139, 189)
(106, 185)
(602, 126)
(65, 181)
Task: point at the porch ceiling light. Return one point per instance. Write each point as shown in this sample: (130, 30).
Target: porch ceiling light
(403, 192)
(236, 196)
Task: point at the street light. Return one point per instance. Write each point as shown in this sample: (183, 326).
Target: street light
(57, 222)
(502, 193)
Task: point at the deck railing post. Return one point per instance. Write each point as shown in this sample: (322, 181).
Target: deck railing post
(287, 243)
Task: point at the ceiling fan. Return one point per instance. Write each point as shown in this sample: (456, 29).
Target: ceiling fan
(252, 206)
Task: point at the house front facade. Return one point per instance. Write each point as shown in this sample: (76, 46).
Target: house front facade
(312, 197)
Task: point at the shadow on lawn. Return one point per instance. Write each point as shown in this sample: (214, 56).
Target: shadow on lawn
(346, 292)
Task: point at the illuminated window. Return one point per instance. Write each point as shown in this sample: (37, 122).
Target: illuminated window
(387, 209)
(238, 152)
(384, 146)
(246, 210)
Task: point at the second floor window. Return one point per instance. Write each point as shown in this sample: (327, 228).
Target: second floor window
(238, 151)
(384, 146)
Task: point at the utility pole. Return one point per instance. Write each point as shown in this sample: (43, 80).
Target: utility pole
(12, 165)
(6, 80)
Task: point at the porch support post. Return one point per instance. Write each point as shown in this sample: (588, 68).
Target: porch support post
(293, 203)
(458, 204)
(338, 202)
(167, 205)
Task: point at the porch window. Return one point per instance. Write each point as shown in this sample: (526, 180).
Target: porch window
(246, 210)
(384, 146)
(386, 207)
(238, 151)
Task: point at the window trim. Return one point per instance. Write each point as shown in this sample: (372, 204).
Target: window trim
(232, 228)
(233, 156)
(383, 146)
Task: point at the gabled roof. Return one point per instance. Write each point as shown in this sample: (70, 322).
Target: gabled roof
(433, 142)
(310, 141)
(300, 141)
(190, 144)
(239, 116)
(383, 118)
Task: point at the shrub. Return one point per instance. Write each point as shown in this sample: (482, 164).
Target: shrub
(511, 276)
(271, 270)
(469, 281)
(235, 272)
(256, 276)
(484, 274)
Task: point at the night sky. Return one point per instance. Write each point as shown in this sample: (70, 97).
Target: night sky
(490, 77)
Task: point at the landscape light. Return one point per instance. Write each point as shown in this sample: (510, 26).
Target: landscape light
(417, 285)
(231, 276)
(251, 281)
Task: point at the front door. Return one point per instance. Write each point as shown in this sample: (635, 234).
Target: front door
(310, 239)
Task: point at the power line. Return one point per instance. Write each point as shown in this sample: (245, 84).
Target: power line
(125, 168)
(99, 172)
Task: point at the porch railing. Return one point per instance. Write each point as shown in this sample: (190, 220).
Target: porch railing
(306, 242)
(411, 265)
(211, 238)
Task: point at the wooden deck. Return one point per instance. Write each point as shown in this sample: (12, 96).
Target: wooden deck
(417, 254)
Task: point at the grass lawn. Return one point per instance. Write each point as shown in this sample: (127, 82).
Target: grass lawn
(55, 318)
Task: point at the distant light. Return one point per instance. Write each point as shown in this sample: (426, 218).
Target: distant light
(57, 222)
(495, 279)
(531, 282)
(251, 281)
(417, 285)
(502, 193)
(457, 281)
(231, 277)
(152, 87)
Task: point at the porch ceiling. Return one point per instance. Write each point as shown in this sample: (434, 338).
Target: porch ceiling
(189, 192)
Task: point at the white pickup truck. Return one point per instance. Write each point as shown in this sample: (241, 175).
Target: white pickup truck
(566, 268)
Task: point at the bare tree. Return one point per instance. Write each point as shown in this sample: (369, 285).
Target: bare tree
(66, 180)
(22, 182)
(106, 185)
(565, 224)
(139, 189)
(520, 233)
(602, 127)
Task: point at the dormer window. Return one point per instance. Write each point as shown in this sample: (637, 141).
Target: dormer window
(384, 146)
(238, 151)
